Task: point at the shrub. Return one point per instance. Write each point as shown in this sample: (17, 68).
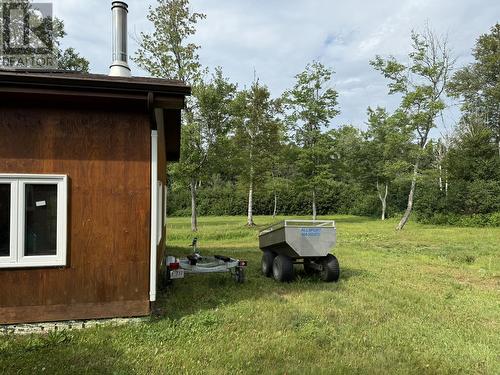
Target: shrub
(475, 220)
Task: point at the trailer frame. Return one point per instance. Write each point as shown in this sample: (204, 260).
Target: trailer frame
(195, 264)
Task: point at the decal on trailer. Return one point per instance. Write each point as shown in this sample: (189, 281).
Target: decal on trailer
(310, 232)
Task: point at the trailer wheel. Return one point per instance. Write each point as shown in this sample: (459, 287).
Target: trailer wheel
(164, 279)
(240, 275)
(267, 263)
(331, 269)
(283, 268)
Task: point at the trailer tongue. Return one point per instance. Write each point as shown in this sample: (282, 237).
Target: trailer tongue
(306, 242)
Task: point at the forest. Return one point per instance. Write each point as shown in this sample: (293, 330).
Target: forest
(247, 152)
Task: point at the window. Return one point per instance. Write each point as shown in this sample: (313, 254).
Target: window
(33, 215)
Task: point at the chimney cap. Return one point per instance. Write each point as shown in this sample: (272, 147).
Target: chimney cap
(120, 4)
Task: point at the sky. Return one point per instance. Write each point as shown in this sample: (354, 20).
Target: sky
(278, 38)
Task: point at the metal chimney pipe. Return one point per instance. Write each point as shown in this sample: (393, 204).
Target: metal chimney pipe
(119, 67)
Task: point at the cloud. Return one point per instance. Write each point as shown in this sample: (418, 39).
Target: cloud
(277, 38)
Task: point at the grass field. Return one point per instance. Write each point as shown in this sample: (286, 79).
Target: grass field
(424, 300)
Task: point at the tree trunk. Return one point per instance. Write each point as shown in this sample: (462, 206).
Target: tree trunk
(409, 208)
(275, 204)
(446, 182)
(314, 203)
(194, 215)
(250, 222)
(440, 177)
(383, 198)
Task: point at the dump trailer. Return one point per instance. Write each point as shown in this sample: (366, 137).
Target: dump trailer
(306, 242)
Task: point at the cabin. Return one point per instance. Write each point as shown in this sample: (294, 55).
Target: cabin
(83, 191)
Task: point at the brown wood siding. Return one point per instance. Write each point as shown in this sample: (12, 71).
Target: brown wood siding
(77, 311)
(106, 156)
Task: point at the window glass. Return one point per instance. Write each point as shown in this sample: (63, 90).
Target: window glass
(4, 220)
(41, 219)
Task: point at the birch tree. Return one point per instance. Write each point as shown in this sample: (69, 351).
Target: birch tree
(276, 174)
(311, 105)
(389, 139)
(441, 151)
(257, 130)
(168, 53)
(421, 84)
(211, 121)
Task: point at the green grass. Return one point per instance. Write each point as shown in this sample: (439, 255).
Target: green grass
(424, 300)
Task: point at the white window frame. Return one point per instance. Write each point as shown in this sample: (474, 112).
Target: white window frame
(12, 258)
(17, 258)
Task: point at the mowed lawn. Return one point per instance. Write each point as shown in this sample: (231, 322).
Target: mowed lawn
(425, 301)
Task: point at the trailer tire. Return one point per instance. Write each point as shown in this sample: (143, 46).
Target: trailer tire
(267, 263)
(283, 268)
(331, 269)
(164, 279)
(240, 275)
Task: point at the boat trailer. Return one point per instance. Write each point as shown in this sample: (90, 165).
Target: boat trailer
(195, 263)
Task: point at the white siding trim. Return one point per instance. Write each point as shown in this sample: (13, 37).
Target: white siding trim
(154, 215)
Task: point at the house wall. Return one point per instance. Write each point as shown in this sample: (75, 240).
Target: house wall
(106, 155)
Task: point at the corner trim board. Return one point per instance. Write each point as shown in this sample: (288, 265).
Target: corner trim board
(154, 215)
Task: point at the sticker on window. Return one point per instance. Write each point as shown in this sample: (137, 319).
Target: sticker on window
(41, 203)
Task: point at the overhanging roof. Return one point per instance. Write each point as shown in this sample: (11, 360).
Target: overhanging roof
(66, 86)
